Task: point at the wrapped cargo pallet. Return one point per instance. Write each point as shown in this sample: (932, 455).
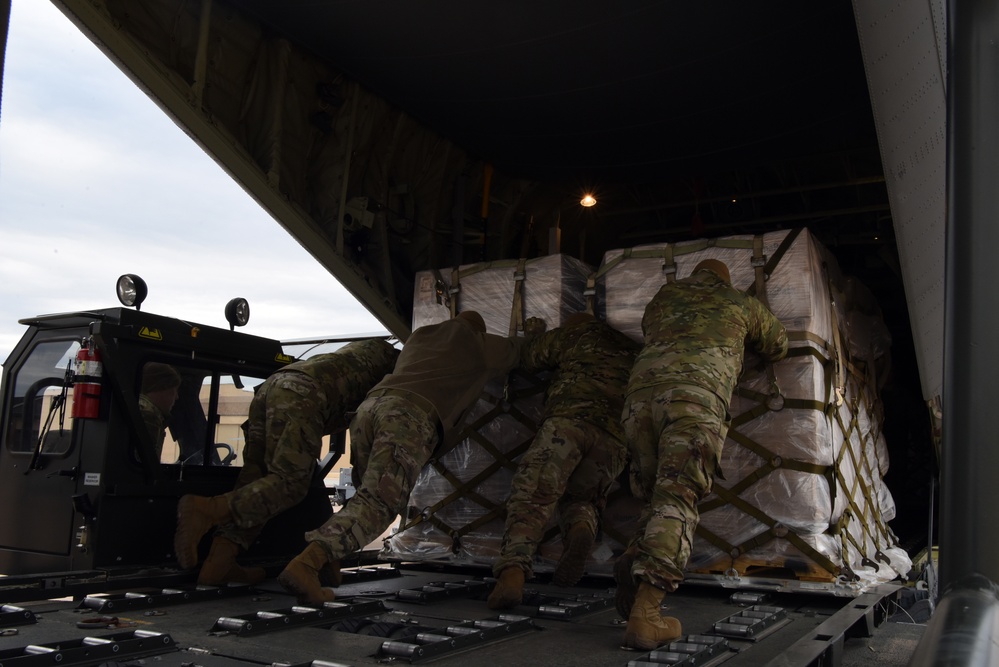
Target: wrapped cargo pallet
(803, 496)
(803, 503)
(456, 509)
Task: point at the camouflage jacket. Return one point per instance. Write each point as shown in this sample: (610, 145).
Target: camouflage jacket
(696, 331)
(346, 376)
(591, 362)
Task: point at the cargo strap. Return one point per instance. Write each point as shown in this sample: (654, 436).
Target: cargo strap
(454, 291)
(590, 294)
(442, 295)
(517, 310)
(771, 262)
(839, 354)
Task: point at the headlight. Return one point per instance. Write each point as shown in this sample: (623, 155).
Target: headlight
(131, 290)
(237, 312)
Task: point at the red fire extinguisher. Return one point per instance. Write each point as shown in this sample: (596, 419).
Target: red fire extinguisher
(87, 372)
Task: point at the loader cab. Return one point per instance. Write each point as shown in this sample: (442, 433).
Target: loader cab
(108, 417)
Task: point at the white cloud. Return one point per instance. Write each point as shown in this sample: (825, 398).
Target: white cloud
(96, 181)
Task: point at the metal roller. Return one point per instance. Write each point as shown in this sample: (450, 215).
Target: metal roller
(96, 641)
(402, 649)
(431, 638)
(686, 647)
(305, 610)
(489, 624)
(742, 620)
(668, 657)
(271, 614)
(458, 630)
(232, 624)
(409, 594)
(707, 640)
(733, 629)
(551, 610)
(149, 633)
(11, 609)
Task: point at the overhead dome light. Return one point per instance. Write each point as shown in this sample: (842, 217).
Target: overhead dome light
(237, 312)
(587, 201)
(131, 290)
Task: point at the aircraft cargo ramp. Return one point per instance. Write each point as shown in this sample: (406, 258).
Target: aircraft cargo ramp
(414, 615)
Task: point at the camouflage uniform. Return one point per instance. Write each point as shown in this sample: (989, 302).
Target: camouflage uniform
(155, 421)
(579, 449)
(439, 375)
(676, 410)
(289, 415)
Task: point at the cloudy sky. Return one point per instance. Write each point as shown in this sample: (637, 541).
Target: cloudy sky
(96, 181)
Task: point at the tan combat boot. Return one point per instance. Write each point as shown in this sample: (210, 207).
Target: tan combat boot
(647, 627)
(196, 515)
(221, 567)
(627, 586)
(301, 576)
(329, 574)
(509, 589)
(575, 550)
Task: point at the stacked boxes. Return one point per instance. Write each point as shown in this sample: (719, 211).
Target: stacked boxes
(803, 496)
(504, 292)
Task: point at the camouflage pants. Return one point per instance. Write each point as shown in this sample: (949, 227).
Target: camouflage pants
(284, 436)
(676, 434)
(569, 463)
(391, 440)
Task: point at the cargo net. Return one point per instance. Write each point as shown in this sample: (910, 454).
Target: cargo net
(803, 494)
(803, 498)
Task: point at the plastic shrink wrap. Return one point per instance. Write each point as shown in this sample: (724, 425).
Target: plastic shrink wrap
(503, 292)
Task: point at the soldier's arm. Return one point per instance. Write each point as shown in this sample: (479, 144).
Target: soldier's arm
(768, 335)
(540, 353)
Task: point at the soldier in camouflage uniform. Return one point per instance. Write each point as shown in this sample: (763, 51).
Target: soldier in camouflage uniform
(579, 450)
(160, 384)
(289, 415)
(676, 419)
(411, 415)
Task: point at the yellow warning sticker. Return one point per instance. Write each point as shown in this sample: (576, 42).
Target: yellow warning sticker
(151, 334)
(284, 358)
